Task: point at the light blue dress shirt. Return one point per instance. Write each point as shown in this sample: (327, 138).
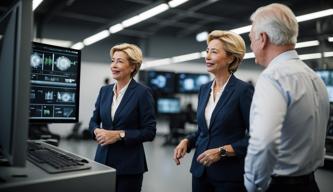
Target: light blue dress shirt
(288, 121)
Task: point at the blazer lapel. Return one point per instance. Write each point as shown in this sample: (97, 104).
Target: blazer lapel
(204, 100)
(128, 94)
(109, 103)
(228, 90)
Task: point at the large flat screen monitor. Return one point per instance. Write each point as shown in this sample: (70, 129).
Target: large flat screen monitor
(15, 49)
(191, 82)
(55, 82)
(159, 81)
(168, 105)
(327, 77)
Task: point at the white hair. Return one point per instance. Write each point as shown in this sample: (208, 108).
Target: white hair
(278, 22)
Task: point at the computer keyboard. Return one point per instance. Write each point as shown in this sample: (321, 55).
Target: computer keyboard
(54, 160)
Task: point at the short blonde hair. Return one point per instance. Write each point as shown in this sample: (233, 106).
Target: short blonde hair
(133, 53)
(233, 45)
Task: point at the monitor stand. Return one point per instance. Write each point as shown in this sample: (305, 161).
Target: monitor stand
(41, 131)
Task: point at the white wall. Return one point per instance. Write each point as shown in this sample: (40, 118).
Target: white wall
(93, 75)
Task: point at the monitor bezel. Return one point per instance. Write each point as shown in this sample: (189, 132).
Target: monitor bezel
(14, 150)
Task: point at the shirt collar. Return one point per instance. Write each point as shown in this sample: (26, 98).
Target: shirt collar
(213, 84)
(122, 91)
(288, 55)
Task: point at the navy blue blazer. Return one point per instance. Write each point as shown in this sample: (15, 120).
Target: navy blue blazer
(136, 116)
(229, 125)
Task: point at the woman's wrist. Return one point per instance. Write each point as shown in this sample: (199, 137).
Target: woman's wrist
(229, 150)
(121, 135)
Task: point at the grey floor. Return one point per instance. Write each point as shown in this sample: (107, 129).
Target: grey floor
(164, 175)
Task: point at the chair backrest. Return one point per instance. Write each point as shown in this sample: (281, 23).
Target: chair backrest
(177, 121)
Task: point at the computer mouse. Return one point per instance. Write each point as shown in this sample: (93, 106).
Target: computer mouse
(84, 161)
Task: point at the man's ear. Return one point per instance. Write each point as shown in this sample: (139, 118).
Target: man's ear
(263, 40)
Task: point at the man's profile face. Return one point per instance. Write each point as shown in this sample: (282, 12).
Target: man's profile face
(255, 46)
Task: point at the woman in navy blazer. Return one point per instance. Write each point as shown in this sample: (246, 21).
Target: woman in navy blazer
(223, 120)
(123, 119)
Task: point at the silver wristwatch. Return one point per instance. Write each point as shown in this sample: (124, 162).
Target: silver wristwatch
(223, 151)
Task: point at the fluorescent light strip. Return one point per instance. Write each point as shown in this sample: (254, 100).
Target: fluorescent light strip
(249, 55)
(175, 3)
(186, 57)
(154, 11)
(242, 30)
(145, 15)
(328, 54)
(156, 63)
(203, 53)
(330, 39)
(35, 4)
(314, 15)
(202, 36)
(116, 28)
(310, 56)
(307, 44)
(78, 46)
(97, 37)
(131, 21)
(57, 42)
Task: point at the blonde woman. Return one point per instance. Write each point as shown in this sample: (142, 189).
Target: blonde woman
(223, 120)
(123, 119)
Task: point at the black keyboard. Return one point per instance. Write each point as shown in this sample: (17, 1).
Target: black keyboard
(54, 160)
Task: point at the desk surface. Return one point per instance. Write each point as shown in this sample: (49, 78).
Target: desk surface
(31, 178)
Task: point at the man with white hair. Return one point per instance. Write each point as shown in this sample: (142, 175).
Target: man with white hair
(289, 111)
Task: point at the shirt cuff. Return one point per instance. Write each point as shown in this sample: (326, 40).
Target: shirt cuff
(251, 187)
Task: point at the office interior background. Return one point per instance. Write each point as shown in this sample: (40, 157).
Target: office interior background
(172, 38)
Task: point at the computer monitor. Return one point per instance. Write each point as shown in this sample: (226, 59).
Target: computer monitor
(159, 81)
(15, 49)
(168, 105)
(55, 83)
(327, 77)
(191, 82)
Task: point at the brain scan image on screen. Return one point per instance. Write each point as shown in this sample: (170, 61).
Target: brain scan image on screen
(189, 84)
(63, 63)
(202, 79)
(35, 60)
(65, 97)
(160, 81)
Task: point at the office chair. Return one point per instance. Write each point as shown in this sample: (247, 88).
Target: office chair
(176, 129)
